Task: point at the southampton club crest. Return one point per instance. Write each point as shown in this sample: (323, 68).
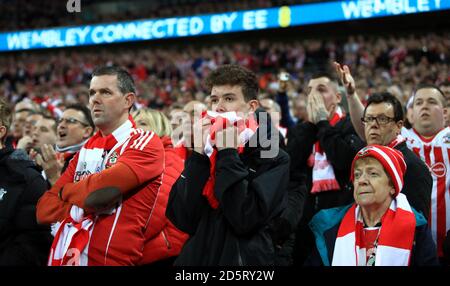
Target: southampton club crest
(112, 160)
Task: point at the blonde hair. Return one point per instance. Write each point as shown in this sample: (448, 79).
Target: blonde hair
(156, 121)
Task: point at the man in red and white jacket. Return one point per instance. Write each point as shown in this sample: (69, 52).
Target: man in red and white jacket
(430, 140)
(101, 205)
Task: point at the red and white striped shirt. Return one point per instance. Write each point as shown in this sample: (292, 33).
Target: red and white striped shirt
(435, 152)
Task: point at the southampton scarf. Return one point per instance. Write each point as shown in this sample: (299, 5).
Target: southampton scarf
(323, 178)
(72, 235)
(398, 140)
(394, 243)
(220, 121)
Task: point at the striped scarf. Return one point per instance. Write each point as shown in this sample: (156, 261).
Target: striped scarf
(395, 240)
(220, 121)
(323, 177)
(72, 235)
(398, 140)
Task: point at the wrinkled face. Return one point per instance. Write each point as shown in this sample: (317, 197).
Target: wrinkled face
(19, 122)
(323, 86)
(226, 98)
(428, 111)
(43, 133)
(377, 132)
(372, 186)
(72, 129)
(108, 105)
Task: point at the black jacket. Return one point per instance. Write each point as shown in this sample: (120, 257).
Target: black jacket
(22, 240)
(340, 143)
(251, 191)
(325, 226)
(417, 181)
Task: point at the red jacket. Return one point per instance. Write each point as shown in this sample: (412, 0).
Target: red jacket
(163, 239)
(116, 239)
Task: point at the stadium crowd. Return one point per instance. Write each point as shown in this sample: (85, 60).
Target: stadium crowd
(158, 155)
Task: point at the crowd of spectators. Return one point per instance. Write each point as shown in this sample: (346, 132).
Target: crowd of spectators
(175, 73)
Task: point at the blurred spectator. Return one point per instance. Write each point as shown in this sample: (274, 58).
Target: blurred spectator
(24, 242)
(163, 240)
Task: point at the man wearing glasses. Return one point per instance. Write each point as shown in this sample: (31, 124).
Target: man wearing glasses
(74, 128)
(381, 123)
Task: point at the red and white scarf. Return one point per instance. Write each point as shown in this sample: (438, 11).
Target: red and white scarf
(398, 140)
(220, 121)
(395, 240)
(72, 235)
(323, 177)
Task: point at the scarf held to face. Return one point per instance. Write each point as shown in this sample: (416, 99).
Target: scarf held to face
(220, 121)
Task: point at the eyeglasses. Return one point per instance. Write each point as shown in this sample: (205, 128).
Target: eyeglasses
(71, 120)
(380, 120)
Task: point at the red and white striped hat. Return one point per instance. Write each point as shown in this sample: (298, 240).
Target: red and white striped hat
(391, 159)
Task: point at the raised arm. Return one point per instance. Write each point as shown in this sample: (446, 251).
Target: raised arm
(355, 106)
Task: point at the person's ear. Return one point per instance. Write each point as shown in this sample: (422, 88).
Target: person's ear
(338, 97)
(130, 99)
(3, 132)
(253, 105)
(87, 132)
(399, 124)
(392, 190)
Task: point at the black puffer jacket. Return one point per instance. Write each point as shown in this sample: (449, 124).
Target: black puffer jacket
(22, 240)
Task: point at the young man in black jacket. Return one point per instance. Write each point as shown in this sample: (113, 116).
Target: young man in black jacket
(249, 189)
(22, 240)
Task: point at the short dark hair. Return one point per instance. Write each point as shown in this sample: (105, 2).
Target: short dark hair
(427, 85)
(234, 75)
(125, 81)
(387, 98)
(5, 116)
(86, 112)
(326, 74)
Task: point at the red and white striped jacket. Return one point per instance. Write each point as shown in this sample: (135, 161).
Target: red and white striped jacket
(435, 152)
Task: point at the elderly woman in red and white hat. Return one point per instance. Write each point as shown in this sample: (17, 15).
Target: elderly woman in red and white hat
(380, 228)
